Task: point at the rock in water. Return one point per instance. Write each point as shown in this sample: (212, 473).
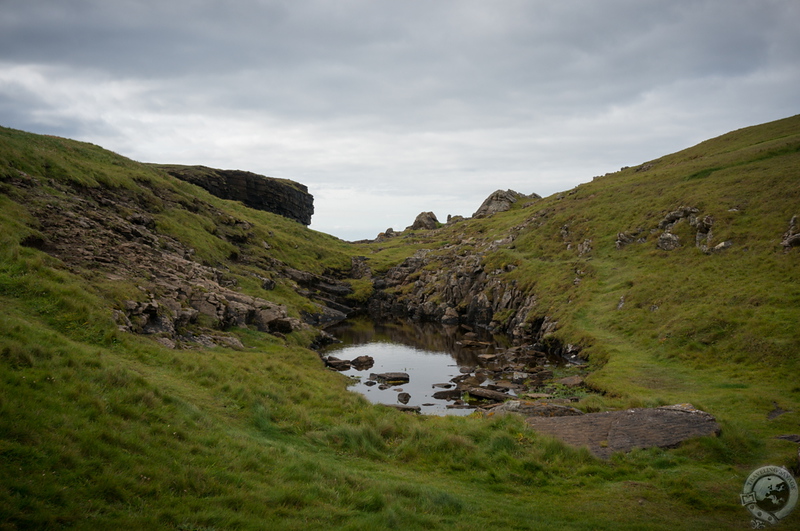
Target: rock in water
(362, 363)
(391, 377)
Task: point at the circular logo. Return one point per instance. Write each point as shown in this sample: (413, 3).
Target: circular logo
(770, 494)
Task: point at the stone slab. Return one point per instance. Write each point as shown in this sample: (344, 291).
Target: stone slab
(622, 431)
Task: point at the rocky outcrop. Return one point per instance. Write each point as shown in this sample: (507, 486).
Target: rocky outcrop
(178, 298)
(791, 238)
(455, 289)
(499, 201)
(279, 196)
(173, 311)
(673, 217)
(669, 241)
(425, 221)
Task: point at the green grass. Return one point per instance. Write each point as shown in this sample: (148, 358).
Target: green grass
(142, 436)
(102, 429)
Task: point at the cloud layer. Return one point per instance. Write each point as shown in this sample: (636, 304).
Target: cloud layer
(385, 109)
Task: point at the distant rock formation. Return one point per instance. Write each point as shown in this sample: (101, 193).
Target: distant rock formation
(425, 221)
(279, 196)
(500, 201)
(791, 237)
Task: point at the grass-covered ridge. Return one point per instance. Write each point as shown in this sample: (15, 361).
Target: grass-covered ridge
(104, 429)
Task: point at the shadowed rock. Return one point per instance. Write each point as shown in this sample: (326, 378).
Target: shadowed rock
(279, 196)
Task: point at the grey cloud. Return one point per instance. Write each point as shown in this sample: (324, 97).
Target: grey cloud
(396, 95)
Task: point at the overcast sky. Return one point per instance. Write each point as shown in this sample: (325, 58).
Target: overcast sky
(385, 109)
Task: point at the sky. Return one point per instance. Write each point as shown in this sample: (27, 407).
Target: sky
(388, 108)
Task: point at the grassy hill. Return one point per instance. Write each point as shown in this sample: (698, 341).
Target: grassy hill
(102, 428)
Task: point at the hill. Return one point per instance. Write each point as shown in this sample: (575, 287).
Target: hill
(156, 370)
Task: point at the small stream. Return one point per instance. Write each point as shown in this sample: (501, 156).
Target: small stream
(431, 355)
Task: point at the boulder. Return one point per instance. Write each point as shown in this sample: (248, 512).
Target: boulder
(498, 201)
(425, 221)
(482, 392)
(362, 363)
(450, 394)
(337, 364)
(791, 238)
(668, 242)
(387, 234)
(676, 215)
(284, 325)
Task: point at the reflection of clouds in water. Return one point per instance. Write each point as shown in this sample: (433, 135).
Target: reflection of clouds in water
(425, 368)
(428, 337)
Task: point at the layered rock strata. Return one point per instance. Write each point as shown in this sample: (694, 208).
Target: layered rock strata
(279, 196)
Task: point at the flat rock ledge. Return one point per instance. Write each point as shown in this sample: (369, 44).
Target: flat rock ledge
(622, 431)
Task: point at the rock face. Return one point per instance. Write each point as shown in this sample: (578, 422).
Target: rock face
(622, 431)
(459, 290)
(279, 196)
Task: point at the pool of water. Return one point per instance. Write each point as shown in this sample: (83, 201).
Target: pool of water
(430, 354)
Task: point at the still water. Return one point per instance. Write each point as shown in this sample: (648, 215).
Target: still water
(430, 354)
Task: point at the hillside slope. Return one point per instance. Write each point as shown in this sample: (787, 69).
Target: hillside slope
(677, 279)
(155, 370)
(694, 250)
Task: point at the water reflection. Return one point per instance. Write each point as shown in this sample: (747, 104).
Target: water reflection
(431, 354)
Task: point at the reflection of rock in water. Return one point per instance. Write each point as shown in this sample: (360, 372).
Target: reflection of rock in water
(430, 351)
(467, 347)
(426, 336)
